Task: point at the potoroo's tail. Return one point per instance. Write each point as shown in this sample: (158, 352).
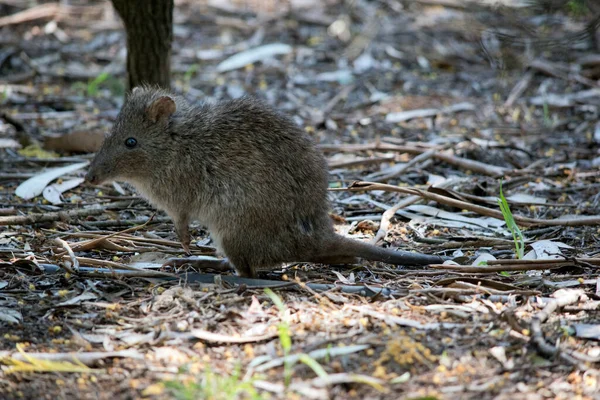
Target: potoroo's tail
(342, 249)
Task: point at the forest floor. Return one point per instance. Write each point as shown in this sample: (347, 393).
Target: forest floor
(436, 106)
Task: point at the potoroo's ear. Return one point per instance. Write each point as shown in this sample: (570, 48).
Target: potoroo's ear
(161, 109)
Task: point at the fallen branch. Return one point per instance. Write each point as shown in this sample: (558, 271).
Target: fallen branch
(562, 298)
(212, 337)
(470, 165)
(399, 169)
(394, 320)
(43, 11)
(359, 186)
(91, 244)
(33, 219)
(115, 265)
(520, 88)
(427, 112)
(88, 359)
(503, 267)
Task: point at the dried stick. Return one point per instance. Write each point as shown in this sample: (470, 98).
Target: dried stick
(359, 186)
(142, 240)
(43, 11)
(519, 88)
(364, 161)
(391, 173)
(90, 244)
(472, 165)
(211, 337)
(351, 148)
(563, 298)
(89, 358)
(32, 219)
(386, 217)
(579, 260)
(115, 265)
(69, 250)
(500, 268)
(553, 70)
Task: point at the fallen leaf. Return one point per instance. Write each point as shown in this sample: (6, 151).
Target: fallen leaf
(587, 331)
(34, 186)
(347, 281)
(6, 143)
(546, 250)
(253, 55)
(78, 299)
(483, 259)
(53, 192)
(10, 315)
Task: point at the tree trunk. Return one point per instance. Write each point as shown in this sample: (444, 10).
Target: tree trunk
(149, 27)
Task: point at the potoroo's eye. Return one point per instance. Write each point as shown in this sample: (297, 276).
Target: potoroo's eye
(130, 143)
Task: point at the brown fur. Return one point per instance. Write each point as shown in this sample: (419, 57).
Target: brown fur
(246, 172)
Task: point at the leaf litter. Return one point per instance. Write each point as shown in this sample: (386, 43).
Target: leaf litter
(421, 106)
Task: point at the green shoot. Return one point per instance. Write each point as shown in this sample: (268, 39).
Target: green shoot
(578, 8)
(214, 386)
(328, 355)
(511, 224)
(187, 77)
(285, 337)
(314, 365)
(103, 80)
(94, 84)
(547, 120)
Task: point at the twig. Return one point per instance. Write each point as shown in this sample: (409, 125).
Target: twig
(519, 88)
(394, 320)
(125, 222)
(115, 265)
(351, 148)
(386, 217)
(554, 70)
(8, 211)
(43, 11)
(523, 221)
(69, 250)
(583, 260)
(336, 99)
(471, 291)
(562, 298)
(365, 36)
(472, 165)
(88, 359)
(427, 112)
(32, 219)
(90, 244)
(142, 240)
(391, 173)
(213, 337)
(362, 161)
(499, 268)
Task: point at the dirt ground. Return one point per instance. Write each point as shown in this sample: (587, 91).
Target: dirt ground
(427, 111)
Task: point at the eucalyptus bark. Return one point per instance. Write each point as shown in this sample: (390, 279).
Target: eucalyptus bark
(149, 27)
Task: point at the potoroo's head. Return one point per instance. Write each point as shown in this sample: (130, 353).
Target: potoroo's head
(138, 140)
